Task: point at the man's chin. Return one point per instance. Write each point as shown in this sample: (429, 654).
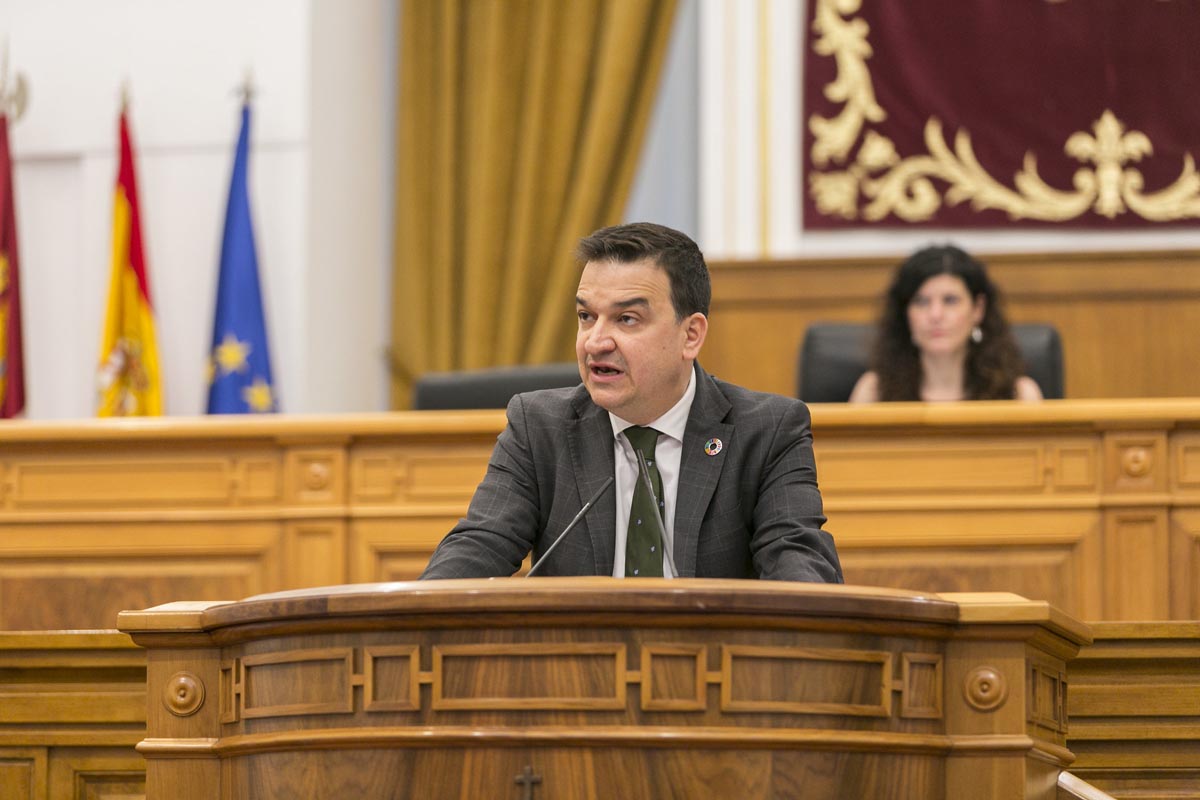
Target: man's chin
(607, 397)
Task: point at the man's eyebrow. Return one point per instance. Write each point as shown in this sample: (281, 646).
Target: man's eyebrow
(630, 303)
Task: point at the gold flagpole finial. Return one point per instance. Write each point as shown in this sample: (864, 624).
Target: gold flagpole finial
(247, 90)
(15, 97)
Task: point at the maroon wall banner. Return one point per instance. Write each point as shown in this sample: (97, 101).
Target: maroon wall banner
(990, 113)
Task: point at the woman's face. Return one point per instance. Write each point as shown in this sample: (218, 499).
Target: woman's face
(941, 315)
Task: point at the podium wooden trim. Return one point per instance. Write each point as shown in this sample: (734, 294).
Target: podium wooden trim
(606, 688)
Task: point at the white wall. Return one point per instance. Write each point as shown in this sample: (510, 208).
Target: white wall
(319, 186)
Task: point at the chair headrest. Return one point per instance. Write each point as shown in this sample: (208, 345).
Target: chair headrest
(489, 388)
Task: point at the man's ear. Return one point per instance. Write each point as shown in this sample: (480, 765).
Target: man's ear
(695, 329)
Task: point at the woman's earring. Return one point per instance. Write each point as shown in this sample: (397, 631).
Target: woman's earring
(977, 334)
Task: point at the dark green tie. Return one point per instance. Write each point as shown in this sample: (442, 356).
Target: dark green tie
(643, 545)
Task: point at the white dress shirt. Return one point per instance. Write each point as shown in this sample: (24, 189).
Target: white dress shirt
(667, 454)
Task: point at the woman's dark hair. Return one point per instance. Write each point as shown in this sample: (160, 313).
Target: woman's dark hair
(993, 364)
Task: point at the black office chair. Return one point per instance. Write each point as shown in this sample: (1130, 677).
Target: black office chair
(489, 388)
(834, 355)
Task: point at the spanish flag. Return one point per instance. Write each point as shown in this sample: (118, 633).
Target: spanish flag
(12, 362)
(128, 381)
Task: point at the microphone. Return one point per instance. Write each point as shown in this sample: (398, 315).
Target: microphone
(586, 508)
(648, 485)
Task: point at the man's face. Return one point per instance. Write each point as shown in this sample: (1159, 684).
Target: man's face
(635, 358)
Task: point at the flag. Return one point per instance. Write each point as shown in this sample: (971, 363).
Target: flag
(128, 380)
(239, 365)
(12, 360)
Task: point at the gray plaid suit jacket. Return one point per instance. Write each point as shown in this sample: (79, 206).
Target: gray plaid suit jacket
(752, 510)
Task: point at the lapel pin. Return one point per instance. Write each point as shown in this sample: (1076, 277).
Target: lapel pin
(712, 447)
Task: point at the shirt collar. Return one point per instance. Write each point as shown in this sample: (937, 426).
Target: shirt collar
(673, 423)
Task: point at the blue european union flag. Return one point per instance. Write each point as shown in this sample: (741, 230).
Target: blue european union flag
(240, 363)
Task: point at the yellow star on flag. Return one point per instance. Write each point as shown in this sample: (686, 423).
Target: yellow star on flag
(258, 396)
(231, 354)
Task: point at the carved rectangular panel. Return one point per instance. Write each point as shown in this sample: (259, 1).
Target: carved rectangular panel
(795, 680)
(1076, 466)
(1186, 446)
(1049, 555)
(581, 676)
(392, 678)
(1046, 703)
(1135, 461)
(296, 683)
(22, 773)
(946, 465)
(674, 677)
(419, 473)
(314, 553)
(921, 685)
(97, 774)
(316, 476)
(113, 483)
(394, 549)
(1185, 564)
(1136, 569)
(81, 576)
(258, 480)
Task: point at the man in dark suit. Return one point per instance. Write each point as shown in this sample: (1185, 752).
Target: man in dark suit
(733, 470)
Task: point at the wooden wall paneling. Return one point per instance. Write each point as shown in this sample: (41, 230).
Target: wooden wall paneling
(1134, 705)
(1046, 554)
(80, 575)
(394, 549)
(1185, 564)
(1128, 319)
(23, 773)
(1136, 564)
(64, 476)
(96, 774)
(316, 476)
(406, 498)
(1136, 540)
(418, 474)
(72, 708)
(314, 553)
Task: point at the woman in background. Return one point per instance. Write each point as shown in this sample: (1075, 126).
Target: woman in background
(943, 336)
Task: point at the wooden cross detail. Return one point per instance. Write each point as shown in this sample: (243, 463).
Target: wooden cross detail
(528, 780)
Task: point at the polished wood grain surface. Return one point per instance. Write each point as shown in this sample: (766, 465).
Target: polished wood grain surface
(607, 688)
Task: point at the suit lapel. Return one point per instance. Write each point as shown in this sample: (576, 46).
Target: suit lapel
(590, 440)
(698, 471)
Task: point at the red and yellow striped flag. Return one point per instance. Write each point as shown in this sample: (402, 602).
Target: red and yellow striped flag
(12, 360)
(128, 382)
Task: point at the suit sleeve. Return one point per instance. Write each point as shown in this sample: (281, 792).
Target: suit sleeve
(502, 520)
(787, 542)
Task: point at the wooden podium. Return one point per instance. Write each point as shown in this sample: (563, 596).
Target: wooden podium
(553, 688)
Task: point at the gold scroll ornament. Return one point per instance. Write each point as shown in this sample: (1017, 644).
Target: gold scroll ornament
(905, 186)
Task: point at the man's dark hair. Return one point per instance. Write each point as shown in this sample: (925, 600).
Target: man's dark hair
(674, 252)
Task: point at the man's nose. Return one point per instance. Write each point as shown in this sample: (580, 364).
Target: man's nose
(599, 339)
